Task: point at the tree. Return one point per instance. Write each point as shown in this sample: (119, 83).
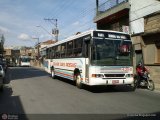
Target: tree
(2, 40)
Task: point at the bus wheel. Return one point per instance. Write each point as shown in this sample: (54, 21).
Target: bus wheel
(133, 85)
(53, 74)
(1, 88)
(78, 82)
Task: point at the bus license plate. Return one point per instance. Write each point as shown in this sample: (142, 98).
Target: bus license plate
(115, 81)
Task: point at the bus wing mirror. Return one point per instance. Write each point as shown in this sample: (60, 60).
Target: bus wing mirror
(87, 41)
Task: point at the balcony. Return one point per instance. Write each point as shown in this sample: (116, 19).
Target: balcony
(111, 7)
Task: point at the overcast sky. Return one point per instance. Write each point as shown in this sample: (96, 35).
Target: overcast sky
(19, 18)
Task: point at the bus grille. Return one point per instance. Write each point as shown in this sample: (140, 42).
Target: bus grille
(114, 75)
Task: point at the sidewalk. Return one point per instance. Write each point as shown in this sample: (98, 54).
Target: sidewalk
(157, 86)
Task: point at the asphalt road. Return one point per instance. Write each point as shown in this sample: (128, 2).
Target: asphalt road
(32, 91)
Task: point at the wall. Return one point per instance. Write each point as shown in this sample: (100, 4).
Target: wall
(149, 54)
(152, 23)
(8, 52)
(155, 76)
(139, 9)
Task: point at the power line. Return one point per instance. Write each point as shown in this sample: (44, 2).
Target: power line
(85, 12)
(88, 11)
(65, 5)
(82, 15)
(54, 31)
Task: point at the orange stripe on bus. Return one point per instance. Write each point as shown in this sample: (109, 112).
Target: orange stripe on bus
(64, 74)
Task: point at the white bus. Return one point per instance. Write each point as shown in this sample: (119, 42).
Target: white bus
(95, 57)
(24, 61)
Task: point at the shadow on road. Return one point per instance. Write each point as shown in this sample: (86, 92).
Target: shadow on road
(100, 89)
(103, 89)
(10, 105)
(16, 73)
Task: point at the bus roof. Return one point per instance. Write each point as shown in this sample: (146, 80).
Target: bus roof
(81, 35)
(71, 38)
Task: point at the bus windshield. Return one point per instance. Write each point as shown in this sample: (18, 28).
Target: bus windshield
(107, 52)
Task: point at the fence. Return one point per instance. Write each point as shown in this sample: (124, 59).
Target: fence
(109, 4)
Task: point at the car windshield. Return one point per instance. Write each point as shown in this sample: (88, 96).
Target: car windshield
(111, 52)
(25, 59)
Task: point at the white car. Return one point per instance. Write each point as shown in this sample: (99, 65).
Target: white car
(2, 75)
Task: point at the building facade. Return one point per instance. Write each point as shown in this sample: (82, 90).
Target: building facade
(11, 56)
(141, 19)
(40, 52)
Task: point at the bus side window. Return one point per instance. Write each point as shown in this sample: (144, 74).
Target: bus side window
(70, 49)
(78, 47)
(86, 47)
(53, 52)
(50, 52)
(63, 50)
(47, 53)
(57, 55)
(59, 51)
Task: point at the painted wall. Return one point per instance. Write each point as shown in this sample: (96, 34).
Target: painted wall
(139, 9)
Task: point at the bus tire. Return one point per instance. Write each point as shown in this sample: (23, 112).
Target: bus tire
(78, 82)
(133, 86)
(1, 88)
(53, 74)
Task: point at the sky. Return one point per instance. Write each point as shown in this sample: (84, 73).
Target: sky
(23, 20)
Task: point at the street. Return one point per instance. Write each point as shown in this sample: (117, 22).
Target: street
(32, 91)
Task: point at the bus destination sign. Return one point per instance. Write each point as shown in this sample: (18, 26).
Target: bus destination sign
(111, 35)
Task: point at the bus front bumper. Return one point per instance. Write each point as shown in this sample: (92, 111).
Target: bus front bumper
(100, 81)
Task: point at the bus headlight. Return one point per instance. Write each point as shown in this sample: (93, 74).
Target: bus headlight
(97, 75)
(129, 75)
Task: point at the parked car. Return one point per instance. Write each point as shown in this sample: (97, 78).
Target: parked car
(11, 64)
(4, 65)
(2, 75)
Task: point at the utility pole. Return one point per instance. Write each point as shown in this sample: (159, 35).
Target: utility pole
(97, 5)
(55, 31)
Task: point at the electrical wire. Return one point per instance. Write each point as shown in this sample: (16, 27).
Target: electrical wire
(84, 13)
